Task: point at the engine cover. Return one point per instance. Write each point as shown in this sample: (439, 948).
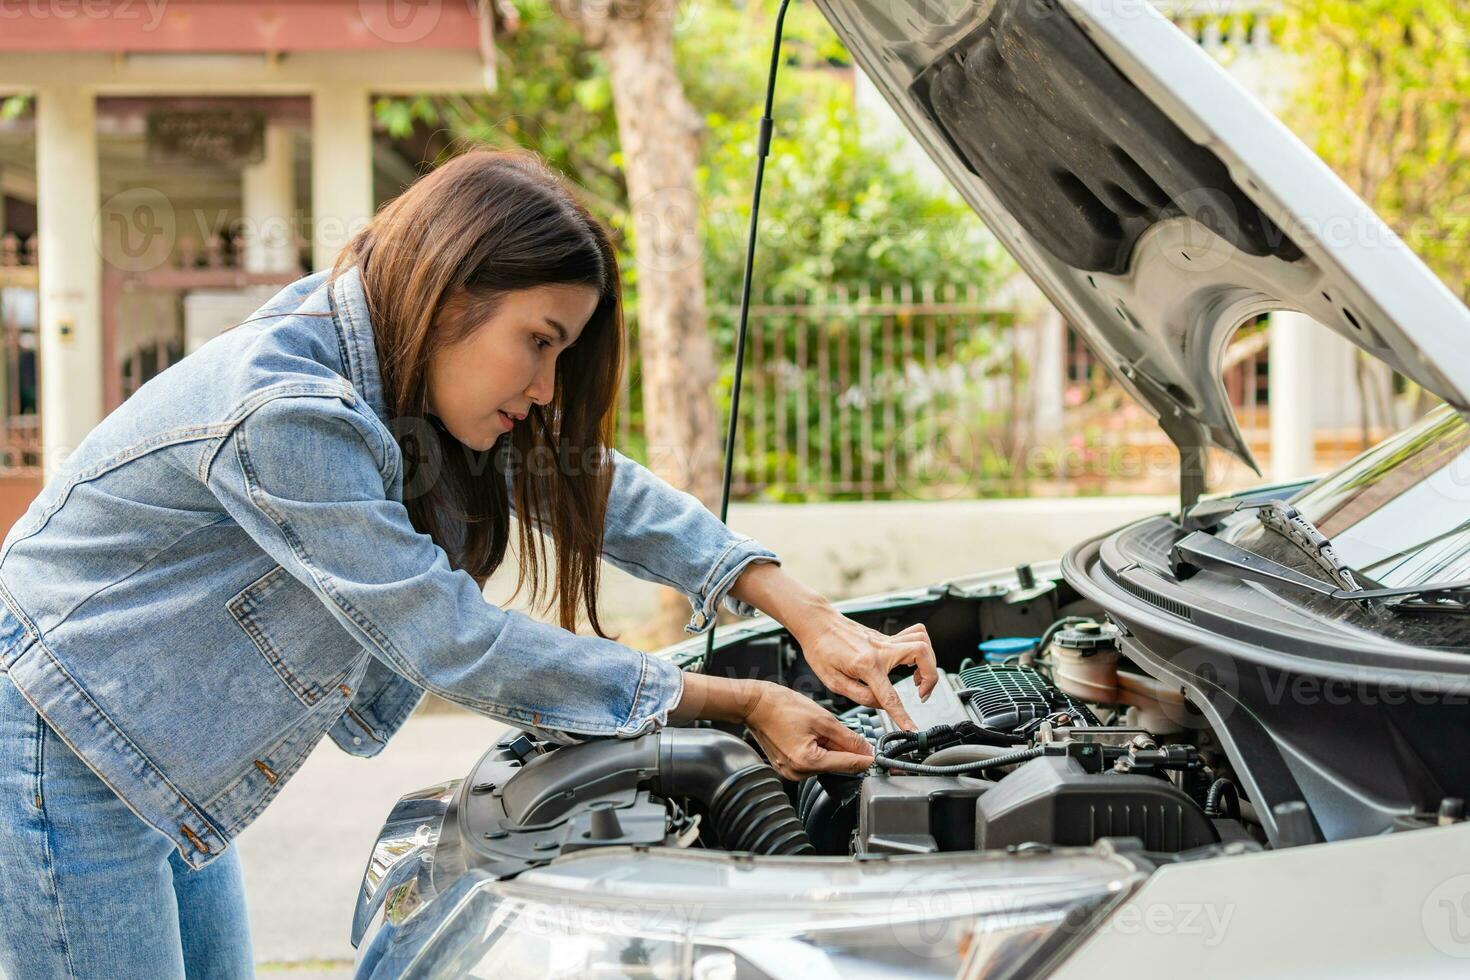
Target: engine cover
(1003, 698)
(1054, 800)
(1069, 796)
(1007, 697)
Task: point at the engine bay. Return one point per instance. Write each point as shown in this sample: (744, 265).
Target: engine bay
(1027, 742)
(1018, 761)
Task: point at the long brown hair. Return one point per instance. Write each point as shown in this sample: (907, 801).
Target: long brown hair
(435, 262)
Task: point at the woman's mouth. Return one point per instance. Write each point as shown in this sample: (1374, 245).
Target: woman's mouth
(508, 419)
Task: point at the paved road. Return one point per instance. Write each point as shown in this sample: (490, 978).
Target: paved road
(304, 856)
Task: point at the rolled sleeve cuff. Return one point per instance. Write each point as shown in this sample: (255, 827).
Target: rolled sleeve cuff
(660, 689)
(721, 579)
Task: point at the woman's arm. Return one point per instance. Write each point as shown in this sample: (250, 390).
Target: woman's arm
(307, 477)
(659, 533)
(850, 658)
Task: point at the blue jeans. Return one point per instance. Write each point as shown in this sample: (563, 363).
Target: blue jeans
(89, 890)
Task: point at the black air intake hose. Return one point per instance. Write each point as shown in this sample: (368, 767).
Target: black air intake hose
(747, 803)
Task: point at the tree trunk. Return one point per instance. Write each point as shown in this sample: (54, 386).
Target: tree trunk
(659, 133)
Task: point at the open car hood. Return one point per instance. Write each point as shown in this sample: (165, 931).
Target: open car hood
(1157, 204)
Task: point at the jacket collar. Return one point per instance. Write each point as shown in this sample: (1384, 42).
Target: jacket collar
(355, 334)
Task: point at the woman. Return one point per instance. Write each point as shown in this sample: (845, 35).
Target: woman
(286, 536)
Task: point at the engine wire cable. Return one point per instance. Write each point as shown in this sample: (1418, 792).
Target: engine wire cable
(891, 745)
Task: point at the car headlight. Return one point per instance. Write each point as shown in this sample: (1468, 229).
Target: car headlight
(621, 912)
(398, 879)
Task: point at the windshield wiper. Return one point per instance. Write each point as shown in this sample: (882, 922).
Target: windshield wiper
(1201, 550)
(1295, 527)
(1283, 519)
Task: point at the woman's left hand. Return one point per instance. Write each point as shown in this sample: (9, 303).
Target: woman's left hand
(853, 660)
(850, 658)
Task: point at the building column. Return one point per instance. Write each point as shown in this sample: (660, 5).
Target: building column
(67, 201)
(341, 169)
(268, 205)
(1049, 374)
(1293, 446)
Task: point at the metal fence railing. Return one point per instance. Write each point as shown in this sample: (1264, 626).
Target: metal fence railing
(860, 392)
(911, 391)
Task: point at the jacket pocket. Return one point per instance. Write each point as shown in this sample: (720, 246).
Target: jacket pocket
(294, 631)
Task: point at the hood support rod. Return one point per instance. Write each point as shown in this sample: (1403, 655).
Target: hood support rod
(763, 150)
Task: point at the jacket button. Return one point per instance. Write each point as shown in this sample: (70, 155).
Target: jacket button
(357, 740)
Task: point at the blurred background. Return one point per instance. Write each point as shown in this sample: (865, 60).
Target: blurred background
(166, 165)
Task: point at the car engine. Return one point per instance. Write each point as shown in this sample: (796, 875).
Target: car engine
(1050, 746)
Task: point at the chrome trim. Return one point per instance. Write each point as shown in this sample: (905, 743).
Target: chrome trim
(398, 878)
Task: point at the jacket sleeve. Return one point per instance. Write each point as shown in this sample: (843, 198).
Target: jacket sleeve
(311, 479)
(661, 534)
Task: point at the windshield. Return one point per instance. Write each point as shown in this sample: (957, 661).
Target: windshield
(1400, 514)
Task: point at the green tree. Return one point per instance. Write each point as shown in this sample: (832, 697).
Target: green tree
(1385, 99)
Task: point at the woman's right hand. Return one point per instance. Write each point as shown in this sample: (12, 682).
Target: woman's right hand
(801, 738)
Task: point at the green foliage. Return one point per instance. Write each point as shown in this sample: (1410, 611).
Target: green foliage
(15, 106)
(552, 97)
(1386, 100)
(836, 207)
(837, 210)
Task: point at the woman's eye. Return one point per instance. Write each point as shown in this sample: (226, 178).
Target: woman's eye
(542, 343)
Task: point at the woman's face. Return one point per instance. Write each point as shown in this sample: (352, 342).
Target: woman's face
(486, 382)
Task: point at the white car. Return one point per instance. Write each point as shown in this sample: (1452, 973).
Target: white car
(1231, 740)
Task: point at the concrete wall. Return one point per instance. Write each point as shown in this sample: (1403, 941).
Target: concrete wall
(852, 549)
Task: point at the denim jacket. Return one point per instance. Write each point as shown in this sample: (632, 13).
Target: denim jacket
(224, 571)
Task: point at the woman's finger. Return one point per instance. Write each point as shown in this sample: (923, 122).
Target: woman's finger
(889, 701)
(843, 739)
(854, 691)
(849, 762)
(920, 653)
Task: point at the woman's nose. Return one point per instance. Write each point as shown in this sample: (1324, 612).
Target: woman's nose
(543, 385)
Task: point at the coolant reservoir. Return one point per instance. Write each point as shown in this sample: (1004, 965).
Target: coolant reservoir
(1084, 660)
(1085, 656)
